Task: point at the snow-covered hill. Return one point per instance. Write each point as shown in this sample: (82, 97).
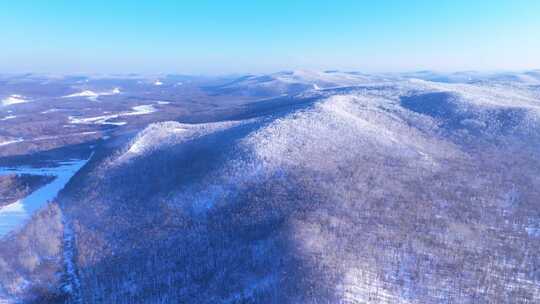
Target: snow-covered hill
(350, 189)
(292, 82)
(531, 77)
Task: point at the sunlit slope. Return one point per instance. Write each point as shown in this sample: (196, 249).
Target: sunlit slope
(404, 193)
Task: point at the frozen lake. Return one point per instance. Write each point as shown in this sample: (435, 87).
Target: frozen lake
(16, 214)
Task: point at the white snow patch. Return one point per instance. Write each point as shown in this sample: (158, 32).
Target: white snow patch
(158, 83)
(14, 207)
(8, 117)
(86, 93)
(9, 142)
(140, 110)
(361, 286)
(50, 111)
(13, 99)
(100, 120)
(92, 95)
(104, 119)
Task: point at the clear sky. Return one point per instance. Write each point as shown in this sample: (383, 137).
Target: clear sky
(220, 36)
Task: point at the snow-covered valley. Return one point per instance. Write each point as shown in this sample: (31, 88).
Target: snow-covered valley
(19, 212)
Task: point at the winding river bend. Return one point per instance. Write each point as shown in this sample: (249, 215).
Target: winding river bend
(16, 214)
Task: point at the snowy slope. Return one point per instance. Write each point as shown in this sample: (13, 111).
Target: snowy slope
(372, 193)
(352, 189)
(526, 77)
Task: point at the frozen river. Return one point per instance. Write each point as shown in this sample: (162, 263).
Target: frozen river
(17, 213)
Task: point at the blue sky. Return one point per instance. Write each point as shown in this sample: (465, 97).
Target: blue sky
(261, 36)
